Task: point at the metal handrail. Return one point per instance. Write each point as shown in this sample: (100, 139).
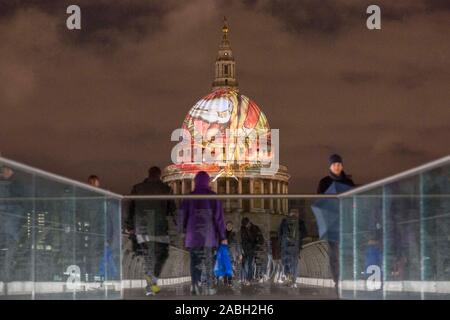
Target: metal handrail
(231, 196)
(370, 186)
(225, 197)
(32, 170)
(396, 177)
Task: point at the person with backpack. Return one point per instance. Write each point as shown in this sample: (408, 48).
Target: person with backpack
(290, 234)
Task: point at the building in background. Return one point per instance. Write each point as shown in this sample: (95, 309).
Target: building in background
(239, 169)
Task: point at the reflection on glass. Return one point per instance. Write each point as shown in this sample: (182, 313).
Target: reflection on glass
(59, 239)
(395, 238)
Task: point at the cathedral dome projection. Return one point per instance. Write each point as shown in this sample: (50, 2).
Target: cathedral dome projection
(226, 134)
(226, 119)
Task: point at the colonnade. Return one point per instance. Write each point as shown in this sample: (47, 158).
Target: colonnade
(266, 186)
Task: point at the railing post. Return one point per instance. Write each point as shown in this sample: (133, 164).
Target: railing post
(74, 236)
(341, 245)
(385, 245)
(105, 246)
(422, 237)
(33, 237)
(120, 248)
(355, 243)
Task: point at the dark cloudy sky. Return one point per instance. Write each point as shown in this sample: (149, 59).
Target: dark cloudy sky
(105, 99)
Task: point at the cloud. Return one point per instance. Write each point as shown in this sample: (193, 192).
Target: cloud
(105, 99)
(395, 146)
(331, 17)
(355, 77)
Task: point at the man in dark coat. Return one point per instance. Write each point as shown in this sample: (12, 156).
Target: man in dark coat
(336, 174)
(251, 243)
(291, 232)
(147, 219)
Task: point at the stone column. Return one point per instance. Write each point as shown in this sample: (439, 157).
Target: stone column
(262, 201)
(183, 187)
(174, 187)
(278, 200)
(286, 192)
(251, 192)
(240, 192)
(271, 192)
(227, 191)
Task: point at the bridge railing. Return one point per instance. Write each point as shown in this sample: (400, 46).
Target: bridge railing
(267, 254)
(58, 238)
(395, 236)
(63, 239)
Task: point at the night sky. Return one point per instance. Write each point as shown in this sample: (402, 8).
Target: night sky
(104, 100)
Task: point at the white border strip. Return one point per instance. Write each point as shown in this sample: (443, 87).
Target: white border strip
(395, 286)
(138, 283)
(28, 287)
(328, 283)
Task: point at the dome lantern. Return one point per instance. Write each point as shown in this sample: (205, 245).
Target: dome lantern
(225, 66)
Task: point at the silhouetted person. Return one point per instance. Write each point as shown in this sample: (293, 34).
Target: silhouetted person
(202, 221)
(147, 219)
(291, 232)
(94, 181)
(251, 243)
(235, 251)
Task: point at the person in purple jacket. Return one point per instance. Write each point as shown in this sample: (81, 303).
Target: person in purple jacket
(202, 222)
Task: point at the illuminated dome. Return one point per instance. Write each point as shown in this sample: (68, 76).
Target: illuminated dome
(225, 109)
(227, 135)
